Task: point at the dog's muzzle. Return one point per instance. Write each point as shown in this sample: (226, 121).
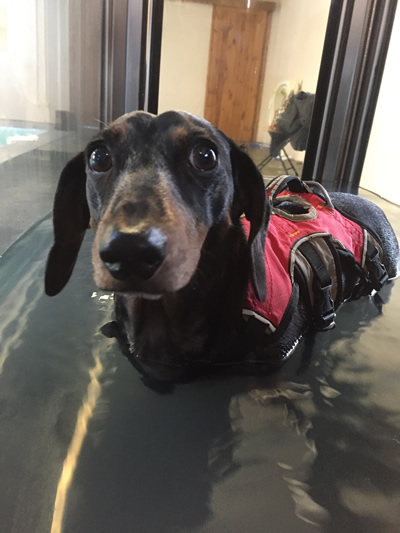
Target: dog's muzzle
(133, 254)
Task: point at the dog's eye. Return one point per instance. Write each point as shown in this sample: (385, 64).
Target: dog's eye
(100, 159)
(203, 157)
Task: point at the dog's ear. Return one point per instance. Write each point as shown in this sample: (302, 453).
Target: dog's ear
(70, 220)
(250, 199)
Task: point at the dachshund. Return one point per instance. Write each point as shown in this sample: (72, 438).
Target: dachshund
(165, 196)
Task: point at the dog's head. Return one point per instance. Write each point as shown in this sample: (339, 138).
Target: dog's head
(152, 187)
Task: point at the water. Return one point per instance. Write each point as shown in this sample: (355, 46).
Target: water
(313, 447)
(10, 135)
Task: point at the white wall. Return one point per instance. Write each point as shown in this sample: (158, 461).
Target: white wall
(58, 54)
(23, 81)
(381, 171)
(184, 56)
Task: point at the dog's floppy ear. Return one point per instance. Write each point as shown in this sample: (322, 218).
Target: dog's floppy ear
(250, 199)
(70, 220)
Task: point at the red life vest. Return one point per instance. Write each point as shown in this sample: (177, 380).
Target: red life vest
(300, 220)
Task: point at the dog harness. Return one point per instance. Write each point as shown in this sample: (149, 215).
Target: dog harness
(311, 246)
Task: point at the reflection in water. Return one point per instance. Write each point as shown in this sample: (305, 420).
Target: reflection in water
(84, 416)
(20, 302)
(371, 504)
(352, 429)
(297, 401)
(328, 434)
(305, 507)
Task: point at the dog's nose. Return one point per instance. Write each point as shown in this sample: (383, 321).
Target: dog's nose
(134, 254)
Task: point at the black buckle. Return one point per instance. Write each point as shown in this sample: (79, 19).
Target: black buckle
(377, 271)
(324, 308)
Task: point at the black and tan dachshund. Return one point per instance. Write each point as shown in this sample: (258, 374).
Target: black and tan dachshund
(165, 195)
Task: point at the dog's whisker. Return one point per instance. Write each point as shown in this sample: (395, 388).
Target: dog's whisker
(101, 123)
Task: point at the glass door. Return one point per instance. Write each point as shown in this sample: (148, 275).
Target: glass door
(240, 64)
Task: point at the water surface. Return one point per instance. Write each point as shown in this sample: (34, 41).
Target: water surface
(87, 446)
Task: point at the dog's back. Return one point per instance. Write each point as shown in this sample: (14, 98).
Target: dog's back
(371, 216)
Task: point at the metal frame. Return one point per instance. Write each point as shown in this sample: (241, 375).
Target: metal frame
(327, 88)
(376, 39)
(135, 86)
(355, 50)
(154, 54)
(122, 60)
(130, 58)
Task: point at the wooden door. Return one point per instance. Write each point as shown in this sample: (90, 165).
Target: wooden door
(236, 70)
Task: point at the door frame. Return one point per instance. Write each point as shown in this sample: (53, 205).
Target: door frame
(353, 60)
(132, 33)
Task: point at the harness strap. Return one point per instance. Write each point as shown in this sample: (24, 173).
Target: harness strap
(294, 184)
(320, 191)
(283, 183)
(377, 274)
(324, 310)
